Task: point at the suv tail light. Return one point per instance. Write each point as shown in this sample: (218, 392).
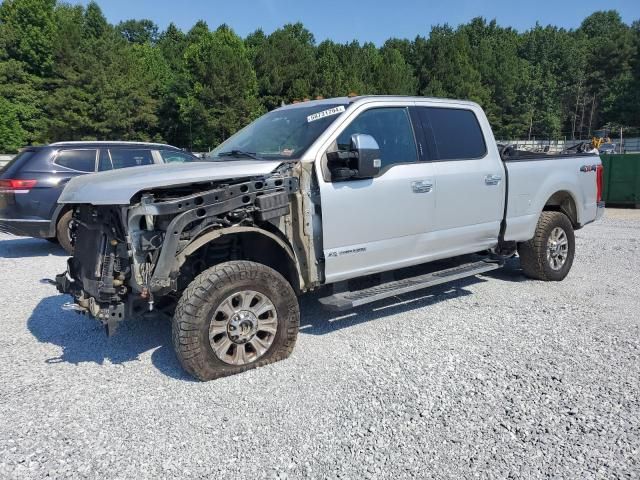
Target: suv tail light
(599, 182)
(17, 186)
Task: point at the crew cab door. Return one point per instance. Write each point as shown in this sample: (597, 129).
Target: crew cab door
(470, 176)
(377, 224)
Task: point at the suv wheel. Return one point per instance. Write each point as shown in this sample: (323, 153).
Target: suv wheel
(64, 231)
(549, 254)
(234, 317)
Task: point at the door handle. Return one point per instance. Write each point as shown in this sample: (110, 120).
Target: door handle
(492, 179)
(421, 186)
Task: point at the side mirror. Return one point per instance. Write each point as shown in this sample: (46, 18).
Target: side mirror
(367, 155)
(361, 160)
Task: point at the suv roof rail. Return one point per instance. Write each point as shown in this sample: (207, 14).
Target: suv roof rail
(109, 142)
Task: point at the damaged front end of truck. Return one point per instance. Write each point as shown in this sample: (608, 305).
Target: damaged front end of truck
(135, 258)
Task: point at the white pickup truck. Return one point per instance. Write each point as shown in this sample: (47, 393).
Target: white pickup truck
(312, 194)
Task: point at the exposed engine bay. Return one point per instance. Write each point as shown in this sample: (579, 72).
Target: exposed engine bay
(126, 256)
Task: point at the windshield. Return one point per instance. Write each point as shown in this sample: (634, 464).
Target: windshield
(284, 133)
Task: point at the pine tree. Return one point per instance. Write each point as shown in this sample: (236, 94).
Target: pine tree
(285, 66)
(12, 135)
(221, 93)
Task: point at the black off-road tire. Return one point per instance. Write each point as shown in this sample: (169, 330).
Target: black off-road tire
(203, 296)
(62, 232)
(533, 254)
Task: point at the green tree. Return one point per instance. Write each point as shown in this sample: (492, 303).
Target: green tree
(394, 74)
(494, 54)
(172, 44)
(445, 60)
(404, 46)
(27, 33)
(27, 29)
(610, 54)
(285, 65)
(107, 89)
(626, 104)
(254, 43)
(69, 102)
(138, 31)
(221, 95)
(12, 135)
(66, 73)
(360, 64)
(198, 31)
(25, 93)
(329, 80)
(95, 23)
(549, 78)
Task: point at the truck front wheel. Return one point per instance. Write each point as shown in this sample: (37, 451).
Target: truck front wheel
(549, 254)
(234, 317)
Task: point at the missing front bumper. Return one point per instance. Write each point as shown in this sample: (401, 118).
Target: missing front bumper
(109, 315)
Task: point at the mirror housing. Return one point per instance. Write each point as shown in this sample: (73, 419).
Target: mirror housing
(362, 160)
(367, 155)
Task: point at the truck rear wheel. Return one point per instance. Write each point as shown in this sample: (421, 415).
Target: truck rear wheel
(549, 254)
(234, 317)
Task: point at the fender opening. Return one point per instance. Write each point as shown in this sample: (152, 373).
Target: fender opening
(252, 246)
(563, 202)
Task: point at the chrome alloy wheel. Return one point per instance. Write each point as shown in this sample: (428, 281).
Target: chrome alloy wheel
(557, 248)
(243, 327)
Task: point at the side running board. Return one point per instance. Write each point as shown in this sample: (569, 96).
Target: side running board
(346, 300)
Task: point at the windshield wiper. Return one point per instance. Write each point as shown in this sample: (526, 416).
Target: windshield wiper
(239, 153)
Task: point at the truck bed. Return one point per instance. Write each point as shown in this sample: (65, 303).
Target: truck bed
(534, 178)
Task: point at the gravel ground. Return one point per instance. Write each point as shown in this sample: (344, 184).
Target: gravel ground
(496, 377)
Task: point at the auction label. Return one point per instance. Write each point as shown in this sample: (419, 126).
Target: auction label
(325, 113)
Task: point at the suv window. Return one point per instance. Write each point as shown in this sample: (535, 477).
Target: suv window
(81, 160)
(104, 162)
(125, 158)
(453, 133)
(391, 128)
(16, 163)
(174, 156)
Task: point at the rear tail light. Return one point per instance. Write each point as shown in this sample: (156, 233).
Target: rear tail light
(17, 186)
(599, 182)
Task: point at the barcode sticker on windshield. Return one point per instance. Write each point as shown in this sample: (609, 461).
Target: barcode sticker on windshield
(325, 113)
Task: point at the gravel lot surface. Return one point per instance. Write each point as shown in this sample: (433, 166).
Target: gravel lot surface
(496, 376)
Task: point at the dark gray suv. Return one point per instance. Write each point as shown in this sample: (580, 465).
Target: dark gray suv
(32, 182)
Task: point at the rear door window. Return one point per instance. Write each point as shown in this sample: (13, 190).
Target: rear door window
(80, 160)
(453, 133)
(125, 157)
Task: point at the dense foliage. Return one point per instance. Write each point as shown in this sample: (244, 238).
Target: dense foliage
(66, 73)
